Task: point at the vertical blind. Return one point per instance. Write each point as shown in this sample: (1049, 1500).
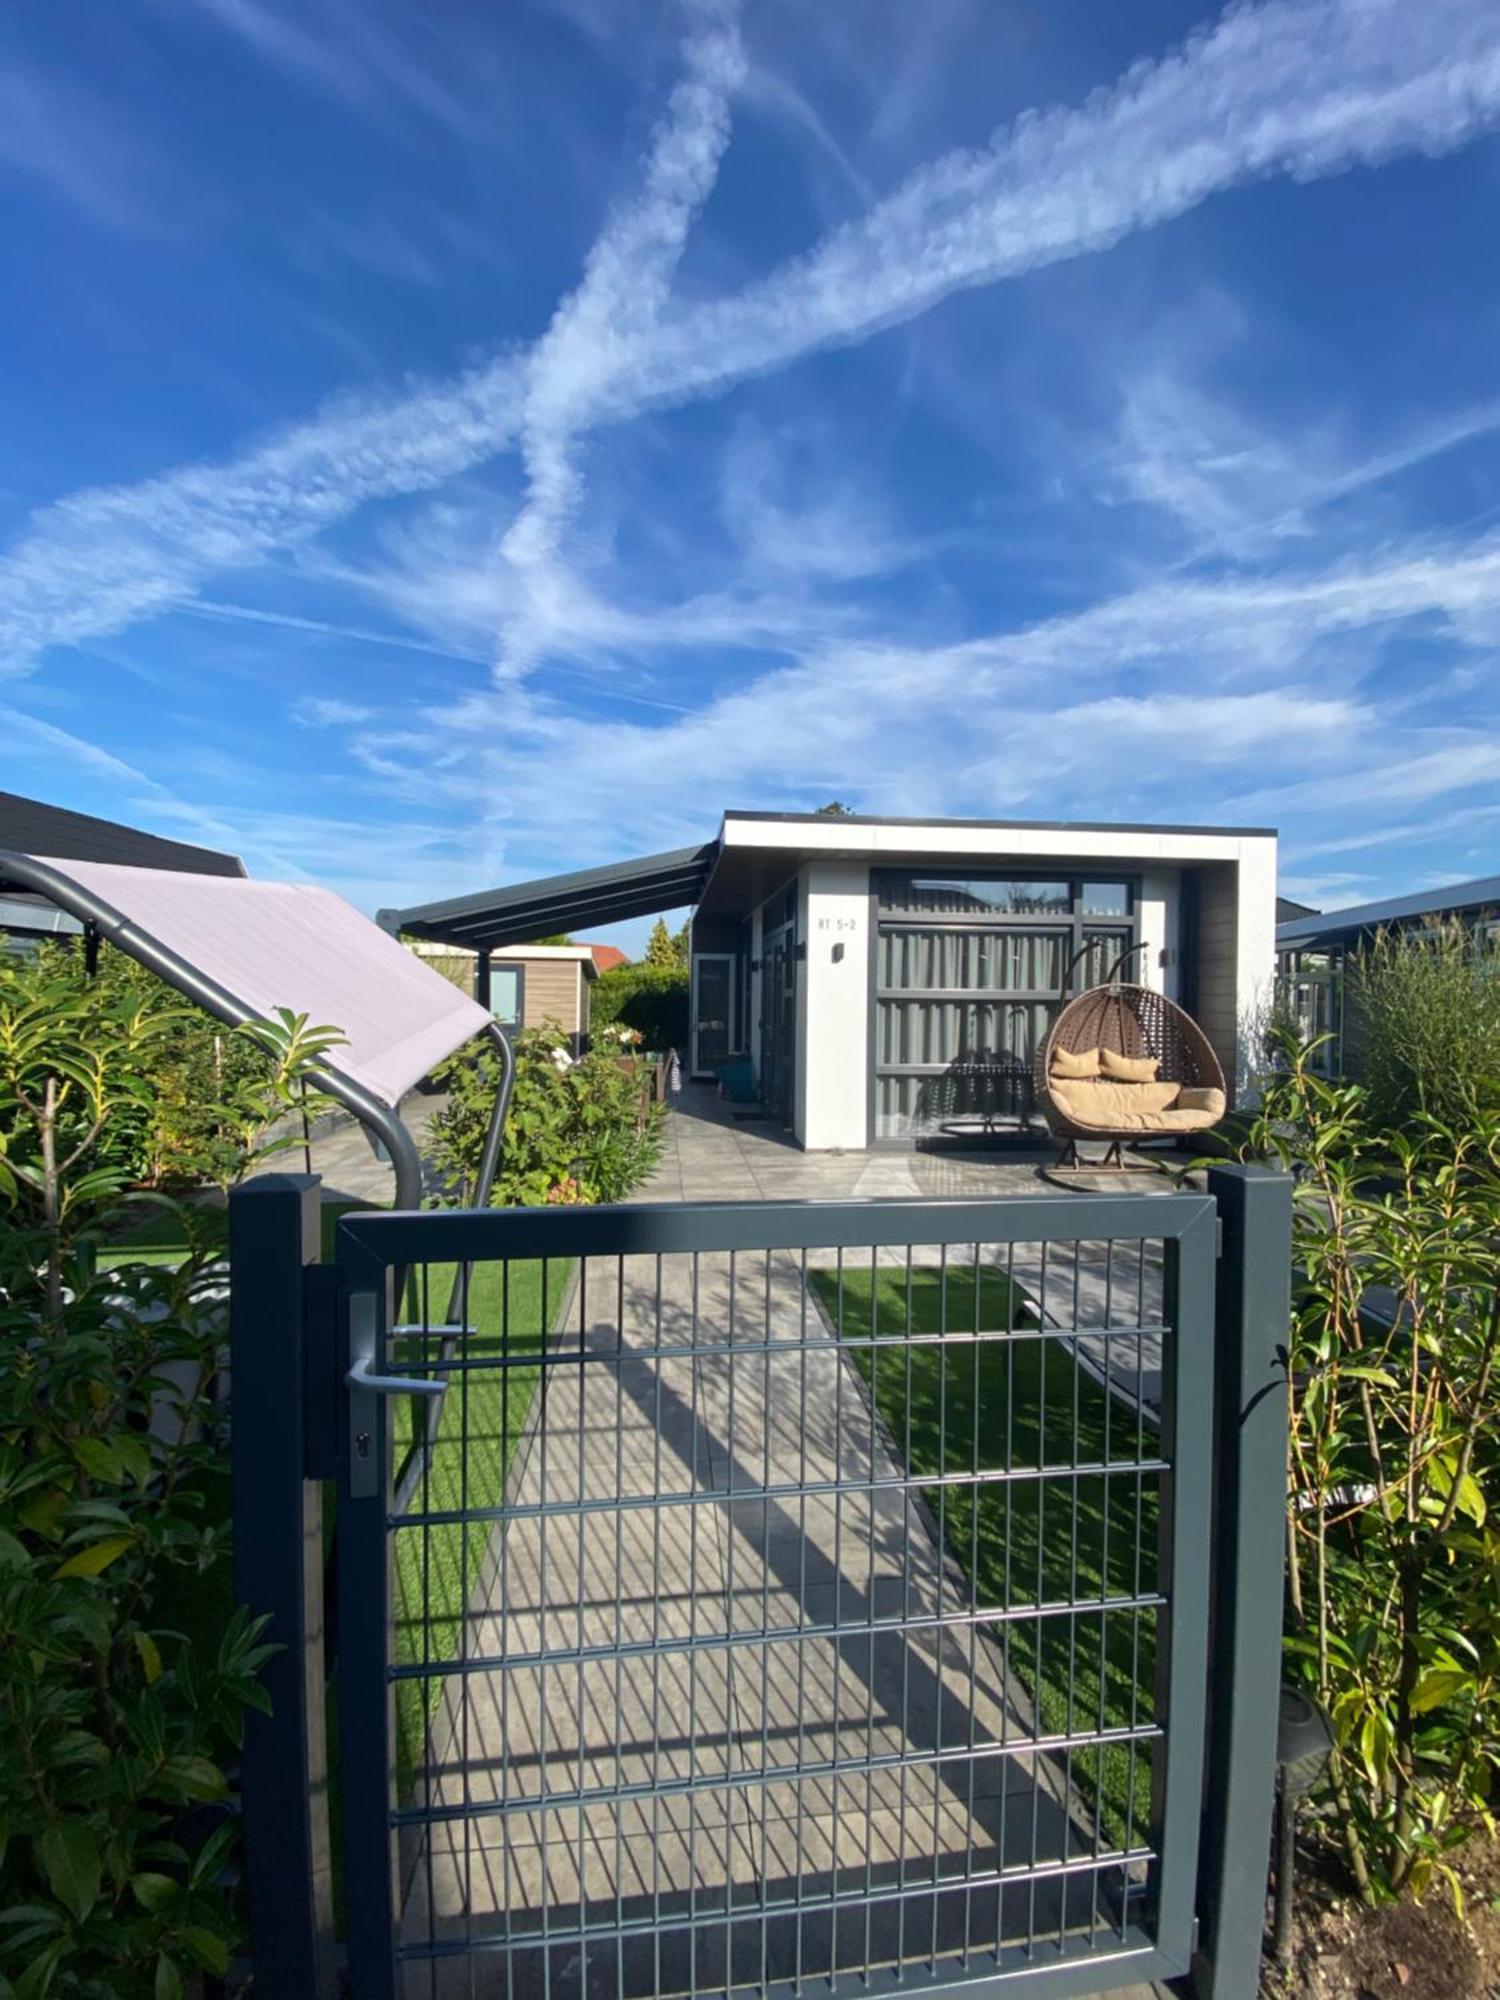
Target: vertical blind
(962, 1008)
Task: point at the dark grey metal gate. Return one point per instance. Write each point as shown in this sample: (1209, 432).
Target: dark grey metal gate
(790, 1596)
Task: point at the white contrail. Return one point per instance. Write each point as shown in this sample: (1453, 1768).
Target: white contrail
(1297, 87)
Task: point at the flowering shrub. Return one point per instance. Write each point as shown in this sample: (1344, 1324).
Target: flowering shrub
(616, 1035)
(651, 999)
(579, 1130)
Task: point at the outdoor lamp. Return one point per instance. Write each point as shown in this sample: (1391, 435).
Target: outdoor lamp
(1303, 1743)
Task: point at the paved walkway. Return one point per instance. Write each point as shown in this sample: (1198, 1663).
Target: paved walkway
(710, 1155)
(352, 1167)
(645, 1820)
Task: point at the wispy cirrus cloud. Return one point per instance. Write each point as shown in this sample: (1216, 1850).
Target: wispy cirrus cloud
(1297, 89)
(62, 138)
(48, 744)
(361, 54)
(1273, 681)
(316, 711)
(1232, 485)
(107, 557)
(613, 314)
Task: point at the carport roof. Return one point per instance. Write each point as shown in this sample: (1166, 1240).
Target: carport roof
(522, 911)
(1331, 926)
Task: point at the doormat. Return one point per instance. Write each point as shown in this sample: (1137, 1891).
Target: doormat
(753, 1117)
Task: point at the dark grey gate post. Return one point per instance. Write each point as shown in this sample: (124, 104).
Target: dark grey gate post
(1253, 1313)
(274, 1228)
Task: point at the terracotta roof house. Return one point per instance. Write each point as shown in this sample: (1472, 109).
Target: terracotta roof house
(608, 956)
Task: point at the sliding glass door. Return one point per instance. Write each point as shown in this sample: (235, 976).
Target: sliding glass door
(969, 972)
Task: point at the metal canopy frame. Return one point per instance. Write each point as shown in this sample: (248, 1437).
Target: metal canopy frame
(102, 920)
(520, 912)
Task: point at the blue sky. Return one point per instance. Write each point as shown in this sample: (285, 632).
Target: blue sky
(446, 443)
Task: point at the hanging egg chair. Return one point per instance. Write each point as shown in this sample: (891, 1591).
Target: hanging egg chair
(1125, 1063)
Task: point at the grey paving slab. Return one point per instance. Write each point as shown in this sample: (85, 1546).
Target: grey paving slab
(350, 1163)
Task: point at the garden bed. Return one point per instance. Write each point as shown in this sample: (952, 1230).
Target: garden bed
(1401, 1951)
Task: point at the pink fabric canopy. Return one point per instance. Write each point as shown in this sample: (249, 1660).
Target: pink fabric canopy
(279, 944)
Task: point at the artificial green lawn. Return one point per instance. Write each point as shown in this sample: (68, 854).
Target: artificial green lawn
(483, 1418)
(1021, 1404)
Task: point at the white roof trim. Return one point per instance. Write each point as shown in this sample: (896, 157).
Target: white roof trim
(896, 842)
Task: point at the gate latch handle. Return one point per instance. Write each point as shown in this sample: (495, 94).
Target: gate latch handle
(362, 1375)
(362, 1372)
(366, 1460)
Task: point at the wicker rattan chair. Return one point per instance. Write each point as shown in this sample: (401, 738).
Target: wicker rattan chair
(1131, 1021)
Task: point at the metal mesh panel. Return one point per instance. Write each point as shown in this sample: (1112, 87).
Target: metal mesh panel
(775, 1616)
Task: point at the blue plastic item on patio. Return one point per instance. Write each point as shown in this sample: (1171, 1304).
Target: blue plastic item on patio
(737, 1080)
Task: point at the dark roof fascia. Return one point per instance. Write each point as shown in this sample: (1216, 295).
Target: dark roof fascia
(31, 826)
(515, 912)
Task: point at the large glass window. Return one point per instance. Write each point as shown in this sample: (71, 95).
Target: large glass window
(969, 973)
(969, 896)
(1312, 993)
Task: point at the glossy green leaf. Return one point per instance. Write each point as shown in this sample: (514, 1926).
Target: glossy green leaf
(1437, 1685)
(68, 1856)
(95, 1557)
(153, 1892)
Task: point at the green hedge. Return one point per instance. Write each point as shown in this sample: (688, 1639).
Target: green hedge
(650, 998)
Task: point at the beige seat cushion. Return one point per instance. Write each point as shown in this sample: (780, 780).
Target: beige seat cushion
(1079, 1063)
(1178, 1120)
(1108, 1105)
(1130, 1069)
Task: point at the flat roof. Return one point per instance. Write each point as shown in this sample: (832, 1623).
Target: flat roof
(517, 912)
(721, 872)
(1334, 924)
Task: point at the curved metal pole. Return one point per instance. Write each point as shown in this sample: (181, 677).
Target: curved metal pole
(1067, 978)
(217, 1000)
(489, 1161)
(495, 1137)
(1128, 953)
